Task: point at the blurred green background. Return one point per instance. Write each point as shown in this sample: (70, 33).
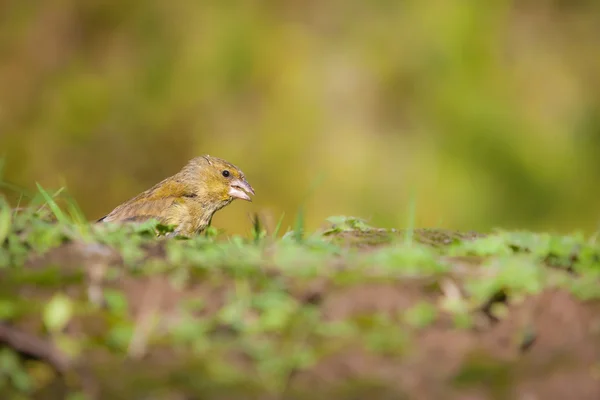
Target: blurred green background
(488, 113)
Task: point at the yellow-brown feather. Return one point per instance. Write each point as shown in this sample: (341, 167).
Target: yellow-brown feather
(187, 199)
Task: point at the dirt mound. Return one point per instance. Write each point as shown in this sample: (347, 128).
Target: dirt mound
(158, 328)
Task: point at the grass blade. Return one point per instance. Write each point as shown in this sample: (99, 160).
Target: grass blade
(5, 220)
(410, 229)
(278, 226)
(60, 216)
(299, 225)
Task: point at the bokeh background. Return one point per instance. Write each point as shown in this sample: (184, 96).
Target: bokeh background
(487, 114)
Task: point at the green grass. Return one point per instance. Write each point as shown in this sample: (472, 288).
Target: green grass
(222, 314)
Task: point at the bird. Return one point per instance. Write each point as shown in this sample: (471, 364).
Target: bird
(189, 199)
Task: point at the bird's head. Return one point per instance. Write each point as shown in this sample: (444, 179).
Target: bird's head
(217, 180)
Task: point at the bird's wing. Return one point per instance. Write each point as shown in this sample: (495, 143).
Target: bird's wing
(141, 210)
(152, 203)
(118, 217)
(169, 188)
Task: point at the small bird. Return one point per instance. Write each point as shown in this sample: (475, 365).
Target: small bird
(189, 199)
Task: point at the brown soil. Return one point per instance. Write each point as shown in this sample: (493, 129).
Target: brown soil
(545, 347)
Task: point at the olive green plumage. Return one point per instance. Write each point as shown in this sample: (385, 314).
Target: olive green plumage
(189, 198)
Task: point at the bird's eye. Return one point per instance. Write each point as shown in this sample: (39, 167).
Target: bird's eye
(225, 173)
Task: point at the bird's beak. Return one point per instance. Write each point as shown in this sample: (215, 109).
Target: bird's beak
(239, 189)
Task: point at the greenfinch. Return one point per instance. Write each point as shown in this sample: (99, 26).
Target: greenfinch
(189, 199)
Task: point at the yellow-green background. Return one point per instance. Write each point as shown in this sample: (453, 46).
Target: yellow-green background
(488, 112)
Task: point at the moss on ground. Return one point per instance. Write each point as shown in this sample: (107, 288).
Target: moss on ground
(107, 311)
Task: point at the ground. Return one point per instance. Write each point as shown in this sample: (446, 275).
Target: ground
(350, 311)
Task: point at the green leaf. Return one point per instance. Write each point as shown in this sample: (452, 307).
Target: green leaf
(5, 220)
(163, 229)
(58, 313)
(120, 335)
(421, 315)
(343, 223)
(8, 309)
(116, 301)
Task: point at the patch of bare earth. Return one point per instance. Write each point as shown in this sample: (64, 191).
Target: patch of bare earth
(547, 347)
